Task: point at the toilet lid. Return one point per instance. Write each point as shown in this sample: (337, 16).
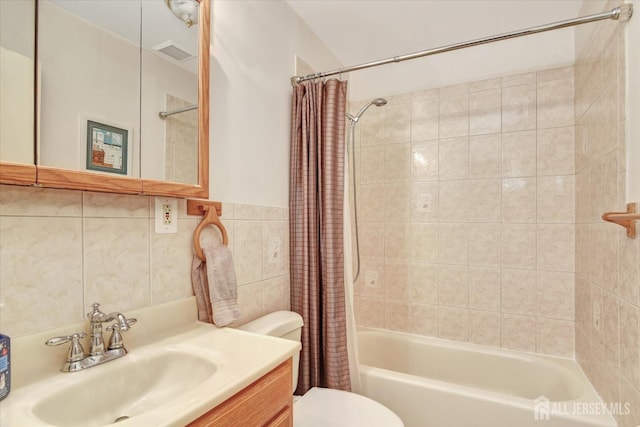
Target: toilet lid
(323, 407)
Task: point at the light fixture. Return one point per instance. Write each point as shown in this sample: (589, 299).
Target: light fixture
(186, 10)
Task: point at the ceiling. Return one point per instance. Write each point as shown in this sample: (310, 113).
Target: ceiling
(359, 31)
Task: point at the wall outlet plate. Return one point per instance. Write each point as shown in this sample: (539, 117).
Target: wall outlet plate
(166, 215)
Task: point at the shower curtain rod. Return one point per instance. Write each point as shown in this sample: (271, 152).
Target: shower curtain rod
(623, 12)
(165, 114)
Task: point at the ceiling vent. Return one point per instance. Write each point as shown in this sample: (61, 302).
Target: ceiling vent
(170, 49)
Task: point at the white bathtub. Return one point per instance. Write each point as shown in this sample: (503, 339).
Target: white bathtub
(430, 382)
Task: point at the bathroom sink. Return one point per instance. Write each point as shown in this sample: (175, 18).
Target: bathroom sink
(177, 369)
(123, 389)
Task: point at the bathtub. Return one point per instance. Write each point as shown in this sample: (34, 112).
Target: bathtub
(430, 382)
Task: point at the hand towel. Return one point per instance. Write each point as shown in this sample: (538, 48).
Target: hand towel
(214, 285)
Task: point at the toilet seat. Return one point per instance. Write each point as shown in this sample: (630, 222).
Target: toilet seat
(323, 407)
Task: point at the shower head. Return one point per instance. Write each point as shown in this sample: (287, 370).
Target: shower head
(378, 102)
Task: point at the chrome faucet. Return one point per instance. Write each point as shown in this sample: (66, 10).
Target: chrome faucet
(76, 359)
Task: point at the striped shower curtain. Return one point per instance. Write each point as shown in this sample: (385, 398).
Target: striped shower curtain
(316, 198)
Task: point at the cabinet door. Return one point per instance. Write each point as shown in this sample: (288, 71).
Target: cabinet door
(266, 402)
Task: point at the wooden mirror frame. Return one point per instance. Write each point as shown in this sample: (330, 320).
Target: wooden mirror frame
(50, 177)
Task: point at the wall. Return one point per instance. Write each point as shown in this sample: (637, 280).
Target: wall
(64, 250)
(181, 144)
(466, 207)
(254, 43)
(632, 34)
(607, 296)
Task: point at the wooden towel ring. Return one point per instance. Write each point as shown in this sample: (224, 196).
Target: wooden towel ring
(210, 218)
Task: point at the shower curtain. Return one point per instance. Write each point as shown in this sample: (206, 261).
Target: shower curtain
(316, 216)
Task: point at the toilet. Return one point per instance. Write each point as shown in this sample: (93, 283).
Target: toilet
(322, 407)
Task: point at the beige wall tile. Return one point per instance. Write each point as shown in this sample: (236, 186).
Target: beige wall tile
(250, 302)
(424, 120)
(555, 103)
(248, 251)
(453, 323)
(273, 249)
(105, 205)
(397, 316)
(171, 262)
(41, 274)
(518, 246)
(631, 395)
(630, 343)
(274, 294)
(556, 151)
(518, 107)
(396, 280)
(453, 199)
(273, 213)
(485, 115)
(556, 199)
(397, 199)
(372, 278)
(484, 288)
(610, 324)
(453, 158)
(519, 291)
(424, 161)
(369, 311)
(424, 243)
(453, 244)
(519, 200)
(116, 262)
(518, 332)
(485, 156)
(555, 74)
(397, 241)
(556, 295)
(372, 126)
(555, 337)
(519, 79)
(488, 84)
(396, 162)
(484, 328)
(372, 164)
(371, 234)
(454, 115)
(556, 247)
(29, 201)
(629, 250)
(424, 319)
(519, 154)
(424, 202)
(397, 123)
(484, 245)
(371, 203)
(453, 285)
(247, 212)
(423, 283)
(485, 200)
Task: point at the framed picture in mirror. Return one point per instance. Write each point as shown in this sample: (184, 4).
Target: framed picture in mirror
(107, 148)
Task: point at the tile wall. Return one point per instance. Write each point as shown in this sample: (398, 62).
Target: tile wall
(466, 208)
(63, 250)
(607, 296)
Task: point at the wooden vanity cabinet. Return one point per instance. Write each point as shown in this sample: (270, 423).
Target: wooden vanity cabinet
(268, 402)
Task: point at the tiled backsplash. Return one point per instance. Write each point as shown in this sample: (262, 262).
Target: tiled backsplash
(466, 208)
(607, 261)
(63, 250)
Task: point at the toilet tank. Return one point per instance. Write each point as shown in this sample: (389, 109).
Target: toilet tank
(281, 324)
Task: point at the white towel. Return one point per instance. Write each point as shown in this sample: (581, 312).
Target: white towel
(214, 285)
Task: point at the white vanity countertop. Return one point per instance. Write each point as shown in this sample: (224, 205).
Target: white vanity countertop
(240, 358)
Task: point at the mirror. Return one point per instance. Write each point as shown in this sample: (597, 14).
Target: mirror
(123, 96)
(17, 46)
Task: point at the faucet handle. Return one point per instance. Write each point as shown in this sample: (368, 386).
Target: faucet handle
(116, 337)
(76, 352)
